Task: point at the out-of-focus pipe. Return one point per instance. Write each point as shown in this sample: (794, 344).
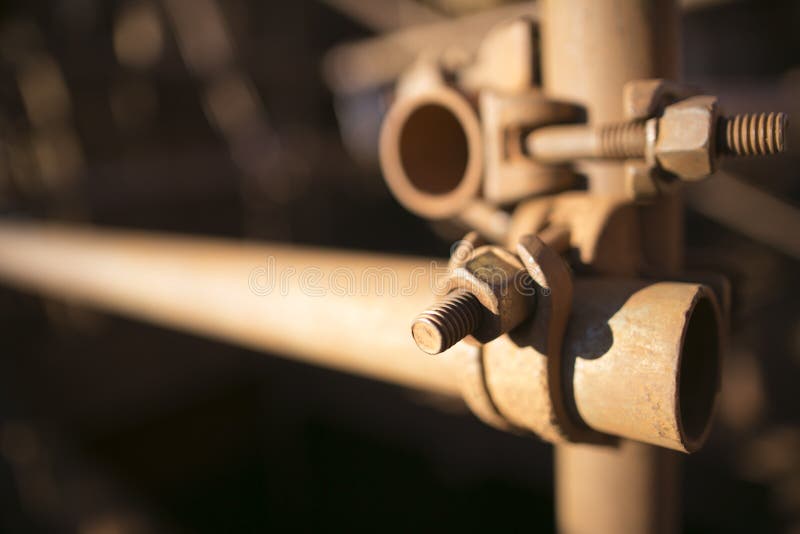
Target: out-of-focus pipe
(643, 478)
(344, 310)
(590, 49)
(733, 202)
(431, 148)
(387, 15)
(363, 65)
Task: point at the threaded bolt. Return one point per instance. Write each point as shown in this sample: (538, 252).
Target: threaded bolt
(752, 134)
(623, 139)
(745, 134)
(448, 322)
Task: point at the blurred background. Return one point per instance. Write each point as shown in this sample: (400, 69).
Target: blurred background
(257, 120)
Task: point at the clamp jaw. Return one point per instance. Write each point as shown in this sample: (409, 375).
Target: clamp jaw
(568, 358)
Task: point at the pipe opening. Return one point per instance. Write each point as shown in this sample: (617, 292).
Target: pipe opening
(699, 371)
(434, 150)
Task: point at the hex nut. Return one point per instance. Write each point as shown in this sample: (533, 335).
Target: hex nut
(502, 285)
(686, 142)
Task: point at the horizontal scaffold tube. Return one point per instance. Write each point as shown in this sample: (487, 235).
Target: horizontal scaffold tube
(344, 310)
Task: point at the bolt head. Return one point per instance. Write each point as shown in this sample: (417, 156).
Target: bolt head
(686, 142)
(502, 285)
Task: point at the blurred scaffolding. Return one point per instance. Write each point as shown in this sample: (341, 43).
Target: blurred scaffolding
(260, 120)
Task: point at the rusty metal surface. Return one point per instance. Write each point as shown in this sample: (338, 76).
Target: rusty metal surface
(604, 229)
(524, 368)
(640, 360)
(646, 359)
(488, 293)
(511, 175)
(472, 378)
(501, 284)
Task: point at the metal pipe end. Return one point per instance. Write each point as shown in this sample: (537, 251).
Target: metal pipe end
(646, 360)
(699, 372)
(431, 152)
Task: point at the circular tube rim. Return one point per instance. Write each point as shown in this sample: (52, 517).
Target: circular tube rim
(433, 206)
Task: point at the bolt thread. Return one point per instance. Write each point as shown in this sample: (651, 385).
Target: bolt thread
(752, 134)
(623, 140)
(451, 320)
